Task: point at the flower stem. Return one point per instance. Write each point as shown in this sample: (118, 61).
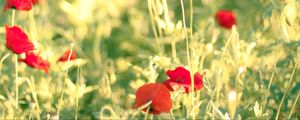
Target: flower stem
(78, 80)
(191, 69)
(146, 115)
(13, 17)
(16, 65)
(17, 86)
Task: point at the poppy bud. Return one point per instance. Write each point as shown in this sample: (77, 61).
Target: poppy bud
(225, 18)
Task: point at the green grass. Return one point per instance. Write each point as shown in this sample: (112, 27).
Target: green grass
(251, 71)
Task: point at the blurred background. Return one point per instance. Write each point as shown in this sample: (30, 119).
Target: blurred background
(123, 44)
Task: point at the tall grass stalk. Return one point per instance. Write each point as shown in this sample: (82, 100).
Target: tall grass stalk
(188, 55)
(152, 8)
(192, 71)
(222, 62)
(34, 94)
(272, 77)
(295, 103)
(2, 60)
(153, 25)
(77, 91)
(285, 93)
(156, 15)
(168, 23)
(65, 82)
(33, 29)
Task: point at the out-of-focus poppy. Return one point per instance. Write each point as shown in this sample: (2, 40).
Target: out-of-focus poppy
(24, 5)
(225, 18)
(180, 77)
(66, 55)
(17, 40)
(35, 61)
(158, 94)
(34, 2)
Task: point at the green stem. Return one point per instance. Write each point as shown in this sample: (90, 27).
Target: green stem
(17, 78)
(16, 66)
(13, 17)
(148, 109)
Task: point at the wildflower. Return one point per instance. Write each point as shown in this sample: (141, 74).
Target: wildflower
(24, 5)
(17, 40)
(180, 77)
(66, 55)
(35, 61)
(225, 18)
(158, 94)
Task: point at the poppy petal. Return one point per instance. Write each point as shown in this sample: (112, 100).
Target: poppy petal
(198, 78)
(180, 74)
(17, 40)
(35, 61)
(180, 77)
(24, 5)
(158, 94)
(168, 83)
(66, 54)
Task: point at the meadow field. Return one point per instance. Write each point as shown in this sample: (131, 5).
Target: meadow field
(150, 59)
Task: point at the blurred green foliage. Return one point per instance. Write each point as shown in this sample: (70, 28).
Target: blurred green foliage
(118, 51)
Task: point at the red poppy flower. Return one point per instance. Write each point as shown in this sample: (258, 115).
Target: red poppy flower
(65, 56)
(157, 93)
(225, 18)
(35, 61)
(180, 77)
(24, 5)
(17, 40)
